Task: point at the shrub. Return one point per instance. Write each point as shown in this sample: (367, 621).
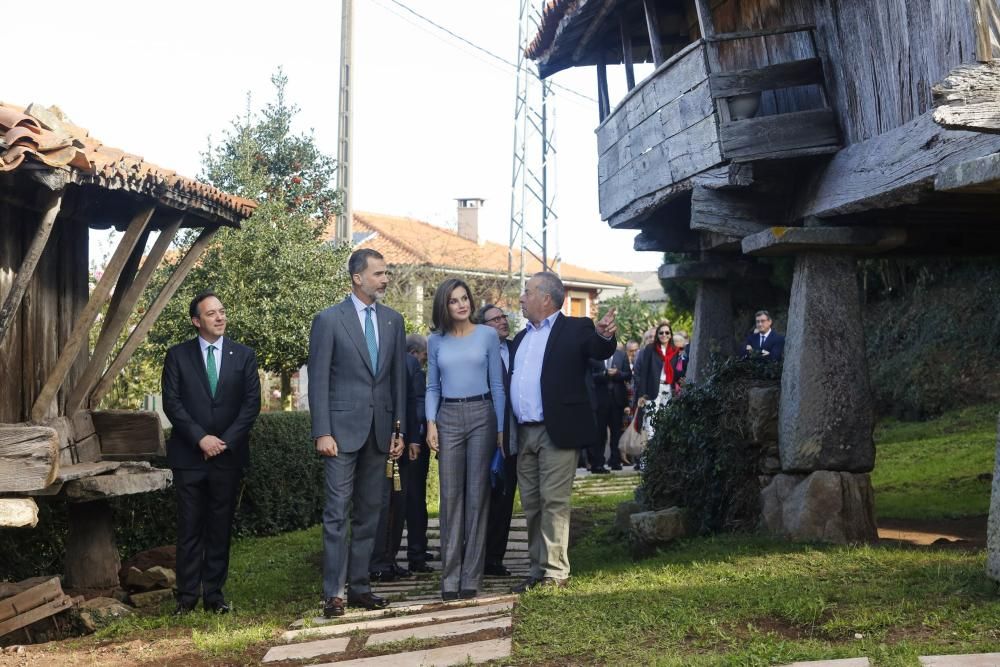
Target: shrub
(699, 456)
(282, 490)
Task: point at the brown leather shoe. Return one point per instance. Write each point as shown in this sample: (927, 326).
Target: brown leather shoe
(545, 582)
(333, 607)
(367, 600)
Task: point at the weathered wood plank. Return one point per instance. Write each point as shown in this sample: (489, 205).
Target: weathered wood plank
(981, 175)
(29, 458)
(27, 269)
(129, 479)
(898, 167)
(81, 470)
(128, 434)
(777, 241)
(38, 613)
(695, 150)
(11, 588)
(732, 213)
(138, 334)
(18, 512)
(969, 98)
(769, 77)
(753, 34)
(81, 328)
(770, 135)
(36, 596)
(653, 28)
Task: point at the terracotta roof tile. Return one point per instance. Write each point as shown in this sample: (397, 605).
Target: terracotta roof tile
(45, 136)
(404, 241)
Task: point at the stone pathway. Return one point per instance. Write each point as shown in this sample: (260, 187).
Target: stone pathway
(969, 660)
(418, 628)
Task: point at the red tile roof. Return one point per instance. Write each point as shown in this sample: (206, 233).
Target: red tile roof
(552, 15)
(405, 241)
(44, 136)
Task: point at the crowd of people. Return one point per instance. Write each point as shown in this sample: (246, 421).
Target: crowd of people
(499, 413)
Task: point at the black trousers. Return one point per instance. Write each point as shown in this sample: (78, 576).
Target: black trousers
(416, 506)
(206, 502)
(609, 416)
(501, 511)
(390, 523)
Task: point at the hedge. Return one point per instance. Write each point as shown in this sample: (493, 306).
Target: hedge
(282, 490)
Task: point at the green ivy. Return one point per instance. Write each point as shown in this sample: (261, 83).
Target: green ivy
(700, 457)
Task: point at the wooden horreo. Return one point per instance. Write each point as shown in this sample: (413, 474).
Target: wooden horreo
(819, 129)
(56, 184)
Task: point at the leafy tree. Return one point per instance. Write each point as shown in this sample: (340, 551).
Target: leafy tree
(275, 272)
(634, 317)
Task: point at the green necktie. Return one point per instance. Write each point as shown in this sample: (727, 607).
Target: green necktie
(213, 374)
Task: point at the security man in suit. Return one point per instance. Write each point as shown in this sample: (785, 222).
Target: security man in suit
(211, 395)
(357, 378)
(611, 377)
(764, 342)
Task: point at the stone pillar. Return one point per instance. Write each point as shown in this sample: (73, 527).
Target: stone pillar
(91, 552)
(993, 527)
(713, 326)
(826, 418)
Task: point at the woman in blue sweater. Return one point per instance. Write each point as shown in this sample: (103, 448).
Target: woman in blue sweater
(465, 407)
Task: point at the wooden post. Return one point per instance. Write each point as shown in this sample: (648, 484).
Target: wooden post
(91, 554)
(604, 106)
(138, 334)
(627, 52)
(653, 26)
(705, 23)
(117, 317)
(81, 328)
(27, 269)
(984, 42)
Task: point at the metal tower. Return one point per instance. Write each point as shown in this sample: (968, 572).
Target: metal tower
(531, 198)
(344, 152)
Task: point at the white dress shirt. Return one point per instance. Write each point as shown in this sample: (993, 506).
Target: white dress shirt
(360, 306)
(218, 354)
(526, 382)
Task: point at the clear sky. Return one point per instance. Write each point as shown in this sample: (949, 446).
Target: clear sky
(433, 118)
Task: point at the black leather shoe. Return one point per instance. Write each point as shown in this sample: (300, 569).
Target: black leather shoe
(618, 467)
(183, 609)
(526, 585)
(448, 596)
(333, 607)
(600, 471)
(382, 576)
(218, 608)
(401, 572)
(467, 593)
(420, 568)
(431, 556)
(496, 570)
(368, 601)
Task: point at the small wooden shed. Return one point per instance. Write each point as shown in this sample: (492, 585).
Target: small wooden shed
(56, 184)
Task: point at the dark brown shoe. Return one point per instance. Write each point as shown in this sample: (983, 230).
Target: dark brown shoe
(367, 600)
(526, 585)
(333, 607)
(545, 582)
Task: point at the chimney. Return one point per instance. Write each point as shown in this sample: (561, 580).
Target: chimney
(468, 217)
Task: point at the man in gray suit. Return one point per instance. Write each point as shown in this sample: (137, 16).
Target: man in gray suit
(357, 378)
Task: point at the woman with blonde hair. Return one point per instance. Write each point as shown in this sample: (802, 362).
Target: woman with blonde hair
(465, 405)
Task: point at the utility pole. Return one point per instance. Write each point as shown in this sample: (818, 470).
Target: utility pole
(344, 220)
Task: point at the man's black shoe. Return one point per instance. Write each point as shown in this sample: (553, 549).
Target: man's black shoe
(382, 575)
(218, 608)
(401, 572)
(420, 568)
(617, 467)
(496, 570)
(448, 596)
(183, 609)
(526, 585)
(467, 593)
(600, 471)
(431, 556)
(367, 600)
(333, 607)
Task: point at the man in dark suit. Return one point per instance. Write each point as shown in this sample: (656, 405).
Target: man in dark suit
(764, 342)
(211, 395)
(357, 390)
(549, 399)
(419, 455)
(611, 378)
(502, 493)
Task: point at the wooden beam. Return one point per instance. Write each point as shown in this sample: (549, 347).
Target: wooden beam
(18, 512)
(81, 328)
(596, 23)
(602, 90)
(969, 98)
(892, 169)
(777, 241)
(755, 34)
(128, 434)
(729, 212)
(705, 23)
(653, 27)
(769, 77)
(984, 41)
(781, 135)
(138, 334)
(27, 268)
(117, 317)
(627, 52)
(29, 457)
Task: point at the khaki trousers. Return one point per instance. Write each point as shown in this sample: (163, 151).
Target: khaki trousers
(545, 474)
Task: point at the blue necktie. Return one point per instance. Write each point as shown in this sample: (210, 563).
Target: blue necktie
(370, 338)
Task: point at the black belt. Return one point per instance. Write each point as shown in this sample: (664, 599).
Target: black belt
(469, 399)
(532, 423)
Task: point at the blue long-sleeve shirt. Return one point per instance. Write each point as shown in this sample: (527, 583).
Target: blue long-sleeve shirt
(463, 367)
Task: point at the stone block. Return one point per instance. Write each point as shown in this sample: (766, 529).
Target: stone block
(966, 660)
(824, 506)
(762, 414)
(95, 611)
(162, 577)
(993, 526)
(658, 527)
(825, 419)
(623, 516)
(137, 580)
(151, 600)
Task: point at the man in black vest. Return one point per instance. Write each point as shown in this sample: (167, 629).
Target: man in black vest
(211, 395)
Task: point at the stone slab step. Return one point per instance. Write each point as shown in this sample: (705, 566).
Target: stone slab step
(441, 630)
(307, 650)
(966, 660)
(512, 545)
(474, 653)
(842, 662)
(402, 607)
(516, 522)
(447, 614)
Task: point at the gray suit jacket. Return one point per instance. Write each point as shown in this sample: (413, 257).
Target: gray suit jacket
(345, 395)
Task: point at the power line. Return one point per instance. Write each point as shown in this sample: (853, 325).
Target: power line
(482, 49)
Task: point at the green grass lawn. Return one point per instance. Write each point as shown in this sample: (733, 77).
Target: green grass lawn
(935, 469)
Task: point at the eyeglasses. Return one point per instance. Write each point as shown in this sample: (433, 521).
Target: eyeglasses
(665, 332)
(494, 320)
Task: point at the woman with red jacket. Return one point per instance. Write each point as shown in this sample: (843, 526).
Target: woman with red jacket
(654, 378)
